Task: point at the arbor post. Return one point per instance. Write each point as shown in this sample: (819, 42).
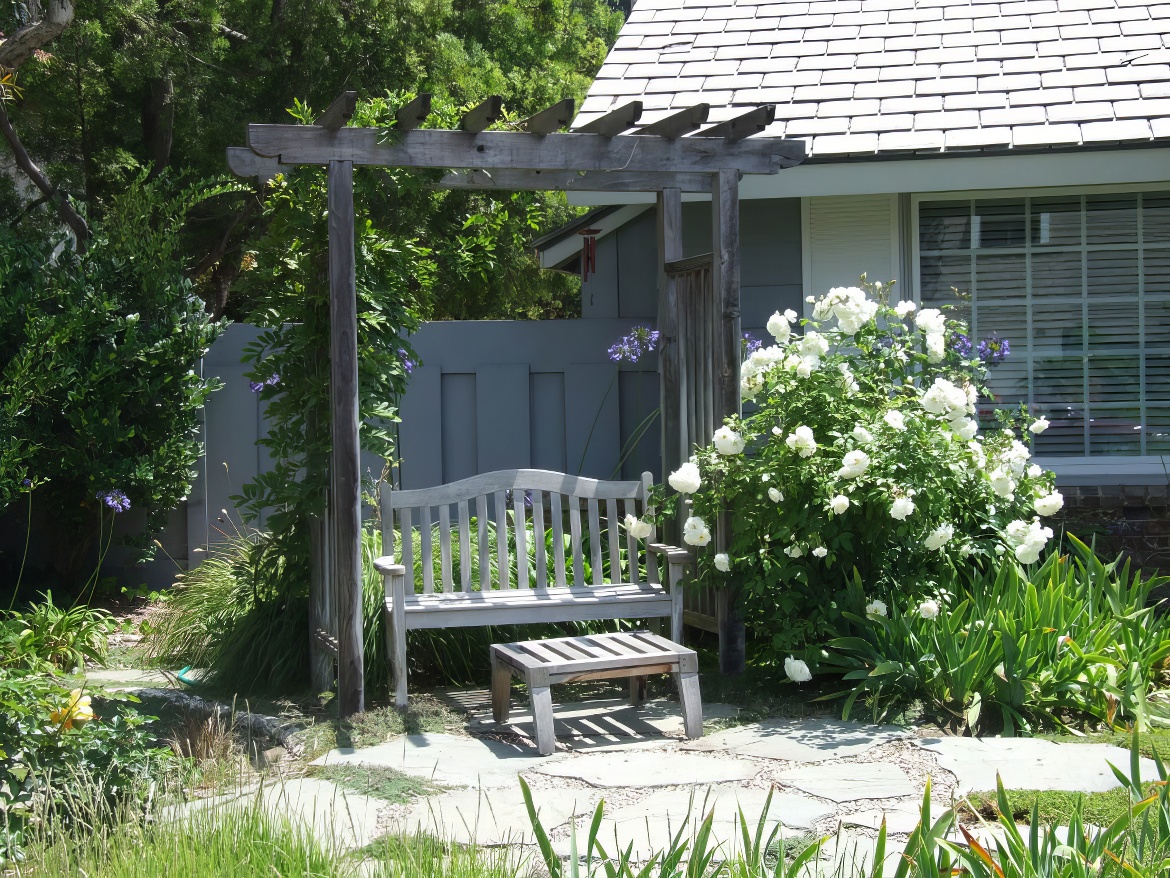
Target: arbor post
(725, 281)
(345, 512)
(675, 442)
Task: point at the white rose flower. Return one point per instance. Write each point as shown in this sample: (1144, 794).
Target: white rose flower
(820, 551)
(779, 328)
(931, 321)
(805, 367)
(776, 431)
(1035, 471)
(1027, 539)
(722, 562)
(790, 316)
(862, 435)
(928, 609)
(936, 347)
(1002, 483)
(902, 508)
(939, 537)
(895, 419)
(905, 307)
(976, 449)
(853, 464)
(1016, 457)
(727, 441)
(965, 429)
(812, 345)
(796, 670)
(802, 441)
(839, 504)
(1049, 505)
(695, 532)
(1038, 426)
(794, 551)
(637, 528)
(875, 609)
(850, 306)
(944, 399)
(774, 495)
(686, 478)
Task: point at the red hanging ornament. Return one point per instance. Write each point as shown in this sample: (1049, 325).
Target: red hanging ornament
(588, 252)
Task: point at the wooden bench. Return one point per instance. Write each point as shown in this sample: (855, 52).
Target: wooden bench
(535, 573)
(634, 654)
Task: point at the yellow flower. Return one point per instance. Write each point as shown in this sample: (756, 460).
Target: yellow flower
(75, 714)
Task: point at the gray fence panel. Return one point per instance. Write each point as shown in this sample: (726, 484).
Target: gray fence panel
(419, 449)
(592, 419)
(548, 428)
(459, 443)
(503, 413)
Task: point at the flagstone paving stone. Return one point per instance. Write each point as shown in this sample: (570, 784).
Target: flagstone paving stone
(649, 768)
(1031, 763)
(850, 781)
(496, 817)
(339, 819)
(899, 820)
(651, 823)
(447, 759)
(811, 740)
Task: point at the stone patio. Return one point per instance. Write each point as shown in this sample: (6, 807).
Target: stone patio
(826, 777)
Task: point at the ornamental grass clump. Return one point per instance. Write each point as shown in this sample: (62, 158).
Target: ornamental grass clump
(863, 451)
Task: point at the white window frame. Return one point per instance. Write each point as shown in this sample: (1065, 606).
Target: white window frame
(1087, 471)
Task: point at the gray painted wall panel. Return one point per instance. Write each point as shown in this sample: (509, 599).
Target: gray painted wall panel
(548, 421)
(458, 433)
(502, 417)
(637, 260)
(420, 452)
(592, 421)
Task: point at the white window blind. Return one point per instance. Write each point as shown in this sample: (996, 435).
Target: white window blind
(1080, 287)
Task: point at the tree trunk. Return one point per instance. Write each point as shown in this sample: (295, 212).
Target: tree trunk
(158, 121)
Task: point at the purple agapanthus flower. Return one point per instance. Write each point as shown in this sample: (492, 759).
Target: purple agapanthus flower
(115, 498)
(255, 386)
(751, 344)
(271, 381)
(630, 348)
(407, 362)
(994, 349)
(26, 483)
(961, 344)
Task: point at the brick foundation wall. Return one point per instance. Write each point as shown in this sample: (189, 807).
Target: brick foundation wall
(1134, 519)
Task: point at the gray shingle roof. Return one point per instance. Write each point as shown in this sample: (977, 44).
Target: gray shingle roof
(887, 76)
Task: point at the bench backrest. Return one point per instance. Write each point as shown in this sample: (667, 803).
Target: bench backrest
(528, 511)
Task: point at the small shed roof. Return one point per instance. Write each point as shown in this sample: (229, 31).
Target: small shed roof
(861, 78)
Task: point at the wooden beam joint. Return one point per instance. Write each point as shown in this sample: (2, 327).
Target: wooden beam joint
(339, 112)
(554, 118)
(483, 115)
(413, 114)
(614, 122)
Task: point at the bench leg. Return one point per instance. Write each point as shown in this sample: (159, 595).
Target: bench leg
(542, 716)
(692, 703)
(637, 690)
(396, 647)
(501, 690)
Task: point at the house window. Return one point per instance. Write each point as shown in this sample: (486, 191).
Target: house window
(1079, 286)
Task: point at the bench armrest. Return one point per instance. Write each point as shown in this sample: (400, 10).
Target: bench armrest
(387, 567)
(673, 554)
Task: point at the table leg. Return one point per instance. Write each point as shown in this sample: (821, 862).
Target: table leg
(692, 703)
(501, 690)
(637, 690)
(542, 716)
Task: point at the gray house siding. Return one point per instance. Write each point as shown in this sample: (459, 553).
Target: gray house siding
(626, 282)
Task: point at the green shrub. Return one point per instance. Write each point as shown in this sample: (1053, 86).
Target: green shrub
(47, 637)
(235, 616)
(55, 748)
(862, 452)
(1069, 640)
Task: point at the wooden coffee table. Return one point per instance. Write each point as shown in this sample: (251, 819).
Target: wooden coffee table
(634, 654)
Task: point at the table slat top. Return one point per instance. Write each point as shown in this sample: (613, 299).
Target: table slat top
(594, 650)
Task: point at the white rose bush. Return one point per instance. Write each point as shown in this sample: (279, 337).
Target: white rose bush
(862, 449)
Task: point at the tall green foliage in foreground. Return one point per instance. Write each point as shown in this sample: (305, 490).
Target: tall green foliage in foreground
(1070, 640)
(99, 388)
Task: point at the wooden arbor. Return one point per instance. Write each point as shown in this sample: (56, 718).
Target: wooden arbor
(601, 156)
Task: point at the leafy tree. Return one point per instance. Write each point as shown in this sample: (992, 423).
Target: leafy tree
(99, 389)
